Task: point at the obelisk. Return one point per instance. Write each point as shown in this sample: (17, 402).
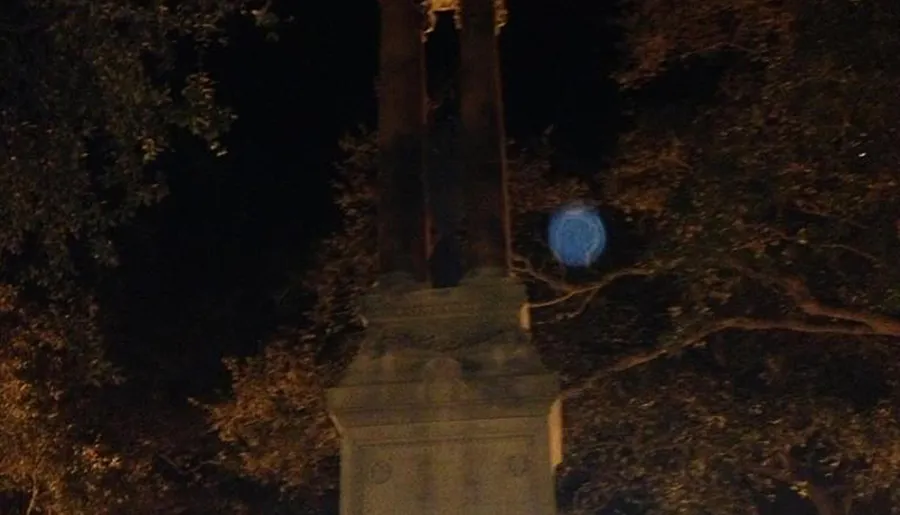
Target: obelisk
(447, 408)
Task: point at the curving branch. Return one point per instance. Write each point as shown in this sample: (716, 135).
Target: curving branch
(812, 209)
(812, 316)
(802, 299)
(784, 236)
(699, 337)
(877, 324)
(566, 291)
(33, 498)
(841, 321)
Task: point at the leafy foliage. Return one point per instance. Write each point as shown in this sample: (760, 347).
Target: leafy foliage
(764, 189)
(775, 195)
(724, 435)
(766, 186)
(66, 449)
(86, 108)
(50, 361)
(92, 94)
(277, 423)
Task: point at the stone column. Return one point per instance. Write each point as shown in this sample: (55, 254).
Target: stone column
(447, 408)
(484, 139)
(401, 134)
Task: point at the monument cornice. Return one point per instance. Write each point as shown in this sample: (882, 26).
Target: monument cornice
(421, 402)
(475, 298)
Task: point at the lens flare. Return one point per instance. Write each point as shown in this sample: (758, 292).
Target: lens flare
(577, 235)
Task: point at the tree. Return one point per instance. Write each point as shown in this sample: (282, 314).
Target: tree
(87, 108)
(737, 432)
(782, 179)
(92, 93)
(766, 186)
(69, 445)
(50, 363)
(758, 177)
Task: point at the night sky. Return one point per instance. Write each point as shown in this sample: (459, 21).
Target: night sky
(204, 265)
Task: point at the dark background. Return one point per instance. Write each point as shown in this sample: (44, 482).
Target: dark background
(201, 270)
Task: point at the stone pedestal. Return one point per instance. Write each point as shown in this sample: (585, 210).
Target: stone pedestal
(447, 409)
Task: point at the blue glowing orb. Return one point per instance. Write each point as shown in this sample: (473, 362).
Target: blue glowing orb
(577, 235)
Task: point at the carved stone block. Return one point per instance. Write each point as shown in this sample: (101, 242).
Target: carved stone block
(447, 409)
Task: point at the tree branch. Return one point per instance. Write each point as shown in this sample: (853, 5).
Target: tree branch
(568, 291)
(880, 325)
(698, 338)
(811, 209)
(843, 321)
(803, 299)
(33, 498)
(782, 235)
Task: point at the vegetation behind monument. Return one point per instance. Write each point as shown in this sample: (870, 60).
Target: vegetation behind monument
(742, 350)
(92, 97)
(738, 344)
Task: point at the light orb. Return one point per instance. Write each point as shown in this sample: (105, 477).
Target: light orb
(577, 235)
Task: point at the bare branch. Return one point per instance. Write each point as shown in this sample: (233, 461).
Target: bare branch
(33, 498)
(698, 338)
(585, 301)
(593, 287)
(526, 270)
(799, 294)
(877, 324)
(811, 209)
(569, 291)
(861, 323)
(853, 250)
(836, 246)
(850, 322)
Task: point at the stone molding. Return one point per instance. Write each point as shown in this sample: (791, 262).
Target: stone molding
(421, 402)
(490, 299)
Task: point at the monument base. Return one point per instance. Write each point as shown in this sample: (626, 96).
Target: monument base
(447, 408)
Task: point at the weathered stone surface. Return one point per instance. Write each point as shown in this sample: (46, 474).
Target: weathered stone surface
(447, 409)
(484, 139)
(401, 137)
(449, 473)
(484, 311)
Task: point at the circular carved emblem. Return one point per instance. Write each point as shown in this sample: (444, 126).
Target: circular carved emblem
(380, 472)
(442, 369)
(517, 465)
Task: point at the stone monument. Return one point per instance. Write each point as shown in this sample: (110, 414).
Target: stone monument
(447, 408)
